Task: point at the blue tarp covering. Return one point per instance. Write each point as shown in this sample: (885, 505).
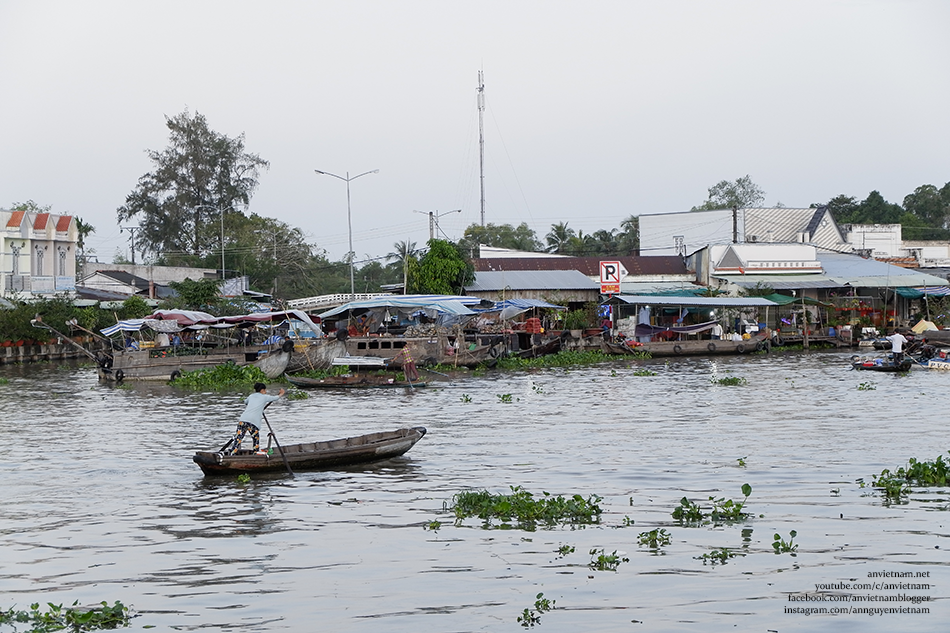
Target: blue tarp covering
(438, 303)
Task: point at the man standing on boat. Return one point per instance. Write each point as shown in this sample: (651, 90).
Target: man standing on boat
(897, 346)
(250, 420)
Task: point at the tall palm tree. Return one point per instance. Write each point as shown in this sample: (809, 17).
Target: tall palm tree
(404, 251)
(559, 237)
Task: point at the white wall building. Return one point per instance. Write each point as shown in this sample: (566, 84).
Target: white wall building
(687, 232)
(37, 253)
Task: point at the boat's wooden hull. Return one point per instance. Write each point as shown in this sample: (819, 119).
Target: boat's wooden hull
(356, 381)
(150, 364)
(881, 363)
(315, 456)
(316, 355)
(704, 347)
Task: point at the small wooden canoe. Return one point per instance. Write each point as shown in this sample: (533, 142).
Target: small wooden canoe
(881, 363)
(355, 381)
(315, 455)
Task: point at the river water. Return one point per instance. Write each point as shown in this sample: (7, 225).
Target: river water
(102, 502)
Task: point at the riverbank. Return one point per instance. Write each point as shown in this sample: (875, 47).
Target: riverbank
(47, 352)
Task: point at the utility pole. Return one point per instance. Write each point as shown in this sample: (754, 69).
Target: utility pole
(131, 230)
(434, 219)
(481, 140)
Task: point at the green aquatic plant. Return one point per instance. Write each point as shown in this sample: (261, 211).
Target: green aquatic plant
(297, 394)
(564, 550)
(530, 617)
(605, 561)
(655, 539)
(643, 371)
(336, 370)
(74, 618)
(244, 478)
(781, 546)
(741, 461)
(220, 377)
(719, 556)
(432, 525)
(4, 381)
(723, 510)
(525, 509)
(466, 398)
(730, 381)
(866, 386)
(688, 512)
(729, 510)
(564, 358)
(504, 398)
(641, 354)
(538, 389)
(920, 473)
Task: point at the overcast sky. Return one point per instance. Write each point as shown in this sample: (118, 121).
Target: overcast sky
(595, 110)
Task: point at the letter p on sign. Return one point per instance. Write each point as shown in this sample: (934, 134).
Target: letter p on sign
(611, 272)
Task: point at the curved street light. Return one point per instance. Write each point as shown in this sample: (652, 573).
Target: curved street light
(349, 216)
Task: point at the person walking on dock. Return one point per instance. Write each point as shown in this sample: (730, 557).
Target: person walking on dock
(250, 420)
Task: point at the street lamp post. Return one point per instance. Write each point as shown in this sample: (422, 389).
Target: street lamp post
(221, 210)
(349, 216)
(434, 219)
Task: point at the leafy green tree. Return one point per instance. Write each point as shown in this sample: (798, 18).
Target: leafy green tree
(443, 270)
(844, 209)
(30, 207)
(741, 193)
(876, 210)
(930, 204)
(519, 238)
(134, 307)
(203, 294)
(178, 204)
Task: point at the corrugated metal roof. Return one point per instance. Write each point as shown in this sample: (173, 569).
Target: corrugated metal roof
(842, 270)
(590, 266)
(713, 302)
(783, 282)
(781, 224)
(492, 280)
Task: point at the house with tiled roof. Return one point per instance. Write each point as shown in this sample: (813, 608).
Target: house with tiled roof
(37, 253)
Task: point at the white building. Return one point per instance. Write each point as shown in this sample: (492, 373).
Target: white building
(37, 253)
(687, 232)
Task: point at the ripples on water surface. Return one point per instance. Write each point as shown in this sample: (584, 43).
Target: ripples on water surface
(102, 502)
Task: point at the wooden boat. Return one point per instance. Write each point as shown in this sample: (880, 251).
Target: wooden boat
(705, 347)
(881, 363)
(352, 381)
(166, 363)
(937, 363)
(348, 451)
(315, 354)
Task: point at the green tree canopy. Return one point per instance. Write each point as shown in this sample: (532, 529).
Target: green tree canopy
(443, 270)
(519, 238)
(199, 176)
(930, 204)
(727, 194)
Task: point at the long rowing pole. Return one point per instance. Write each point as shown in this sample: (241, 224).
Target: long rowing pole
(279, 449)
